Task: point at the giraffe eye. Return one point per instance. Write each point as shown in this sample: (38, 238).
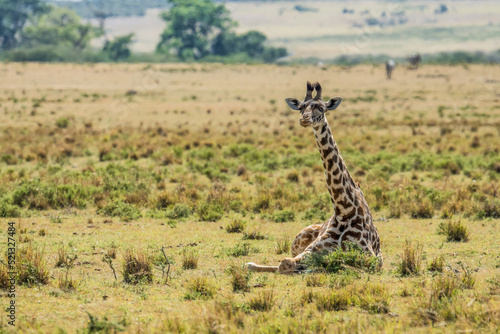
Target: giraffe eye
(321, 109)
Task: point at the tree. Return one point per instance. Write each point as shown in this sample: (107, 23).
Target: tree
(191, 25)
(59, 26)
(14, 15)
(119, 48)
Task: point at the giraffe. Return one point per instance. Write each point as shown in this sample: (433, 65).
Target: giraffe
(389, 67)
(352, 220)
(414, 61)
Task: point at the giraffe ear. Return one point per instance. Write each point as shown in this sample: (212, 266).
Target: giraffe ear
(333, 103)
(293, 103)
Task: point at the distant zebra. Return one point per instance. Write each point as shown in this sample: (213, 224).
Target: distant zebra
(414, 61)
(389, 67)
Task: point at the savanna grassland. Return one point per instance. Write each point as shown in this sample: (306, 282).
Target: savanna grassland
(139, 191)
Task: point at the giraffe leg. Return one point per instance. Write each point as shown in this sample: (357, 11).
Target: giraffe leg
(305, 238)
(263, 269)
(299, 244)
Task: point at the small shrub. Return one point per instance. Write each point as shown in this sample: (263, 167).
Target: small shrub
(283, 216)
(436, 265)
(31, 266)
(489, 208)
(62, 122)
(42, 232)
(338, 260)
(179, 211)
(8, 210)
(137, 267)
(199, 288)
(293, 177)
(263, 301)
(240, 278)
(67, 283)
(283, 245)
(454, 231)
(189, 259)
(261, 203)
(236, 226)
(240, 250)
(411, 259)
(422, 209)
(118, 208)
(210, 212)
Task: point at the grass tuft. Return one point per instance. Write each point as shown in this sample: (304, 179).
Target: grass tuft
(137, 267)
(199, 288)
(31, 266)
(454, 231)
(189, 259)
(240, 278)
(411, 259)
(262, 302)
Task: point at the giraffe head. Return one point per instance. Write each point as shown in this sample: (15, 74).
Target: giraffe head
(287, 266)
(313, 109)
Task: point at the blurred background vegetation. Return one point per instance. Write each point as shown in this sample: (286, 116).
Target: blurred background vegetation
(204, 30)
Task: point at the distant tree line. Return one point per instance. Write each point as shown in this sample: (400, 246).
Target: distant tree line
(196, 30)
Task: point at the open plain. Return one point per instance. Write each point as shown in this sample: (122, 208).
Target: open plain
(189, 171)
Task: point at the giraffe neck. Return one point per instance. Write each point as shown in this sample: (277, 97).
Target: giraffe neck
(338, 180)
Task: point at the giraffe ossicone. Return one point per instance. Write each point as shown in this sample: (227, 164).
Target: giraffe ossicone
(352, 220)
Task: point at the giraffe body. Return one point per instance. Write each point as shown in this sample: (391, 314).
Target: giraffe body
(352, 220)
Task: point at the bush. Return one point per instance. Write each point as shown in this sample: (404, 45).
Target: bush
(7, 210)
(240, 277)
(489, 208)
(333, 262)
(236, 226)
(179, 211)
(199, 288)
(118, 208)
(454, 231)
(437, 264)
(283, 216)
(62, 122)
(240, 250)
(137, 267)
(210, 212)
(31, 266)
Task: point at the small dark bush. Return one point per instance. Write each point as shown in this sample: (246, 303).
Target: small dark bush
(454, 231)
(137, 267)
(339, 259)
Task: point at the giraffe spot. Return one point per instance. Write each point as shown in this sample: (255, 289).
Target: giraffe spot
(324, 141)
(336, 172)
(327, 151)
(342, 228)
(328, 245)
(354, 235)
(335, 158)
(330, 140)
(341, 166)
